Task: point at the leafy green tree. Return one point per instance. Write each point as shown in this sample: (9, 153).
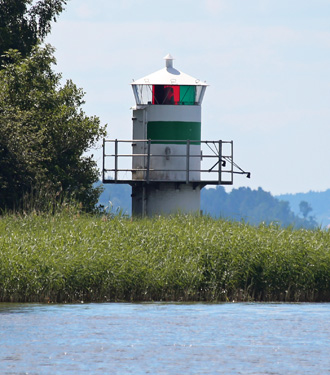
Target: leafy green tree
(44, 134)
(25, 23)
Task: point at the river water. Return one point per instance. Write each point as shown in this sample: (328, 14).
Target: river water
(157, 338)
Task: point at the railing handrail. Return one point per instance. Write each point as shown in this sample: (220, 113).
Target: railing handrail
(224, 163)
(180, 141)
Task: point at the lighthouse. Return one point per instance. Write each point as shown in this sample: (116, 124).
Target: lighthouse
(169, 164)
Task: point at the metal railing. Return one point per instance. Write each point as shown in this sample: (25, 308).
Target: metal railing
(216, 162)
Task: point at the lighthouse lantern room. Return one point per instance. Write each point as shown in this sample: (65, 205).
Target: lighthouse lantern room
(169, 163)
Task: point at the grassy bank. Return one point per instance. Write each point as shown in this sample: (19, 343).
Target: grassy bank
(69, 258)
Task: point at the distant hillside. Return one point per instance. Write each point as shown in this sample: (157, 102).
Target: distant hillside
(319, 201)
(252, 206)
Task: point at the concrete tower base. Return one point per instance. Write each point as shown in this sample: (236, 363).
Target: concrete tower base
(165, 198)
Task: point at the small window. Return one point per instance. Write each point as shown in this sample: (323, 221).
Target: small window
(142, 93)
(165, 94)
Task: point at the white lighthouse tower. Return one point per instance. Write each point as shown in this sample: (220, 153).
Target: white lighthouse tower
(168, 113)
(166, 171)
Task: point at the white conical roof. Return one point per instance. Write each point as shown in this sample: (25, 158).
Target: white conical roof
(169, 76)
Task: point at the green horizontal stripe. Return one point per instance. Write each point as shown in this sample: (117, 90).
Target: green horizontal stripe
(174, 130)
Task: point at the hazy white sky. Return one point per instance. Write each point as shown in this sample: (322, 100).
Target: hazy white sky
(267, 63)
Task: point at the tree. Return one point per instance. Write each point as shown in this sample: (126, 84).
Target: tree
(44, 134)
(24, 24)
(305, 208)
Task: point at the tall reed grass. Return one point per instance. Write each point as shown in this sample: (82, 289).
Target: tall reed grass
(70, 257)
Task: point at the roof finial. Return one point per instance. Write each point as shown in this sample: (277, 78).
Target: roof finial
(169, 61)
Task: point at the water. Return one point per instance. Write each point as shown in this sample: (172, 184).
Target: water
(114, 338)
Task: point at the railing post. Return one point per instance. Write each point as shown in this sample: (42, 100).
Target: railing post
(232, 161)
(103, 161)
(187, 161)
(148, 161)
(220, 163)
(116, 159)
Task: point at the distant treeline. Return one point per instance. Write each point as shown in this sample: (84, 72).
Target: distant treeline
(319, 201)
(251, 206)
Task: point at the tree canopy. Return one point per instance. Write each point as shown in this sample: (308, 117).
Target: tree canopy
(44, 133)
(305, 208)
(25, 23)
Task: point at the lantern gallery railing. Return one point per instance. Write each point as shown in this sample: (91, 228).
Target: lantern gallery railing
(185, 161)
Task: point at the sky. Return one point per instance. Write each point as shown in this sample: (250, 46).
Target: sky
(267, 63)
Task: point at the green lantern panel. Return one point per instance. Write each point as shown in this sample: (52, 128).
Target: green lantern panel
(187, 95)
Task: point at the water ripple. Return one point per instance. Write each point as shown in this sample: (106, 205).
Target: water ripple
(246, 338)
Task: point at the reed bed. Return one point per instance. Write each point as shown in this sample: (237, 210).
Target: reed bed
(78, 257)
